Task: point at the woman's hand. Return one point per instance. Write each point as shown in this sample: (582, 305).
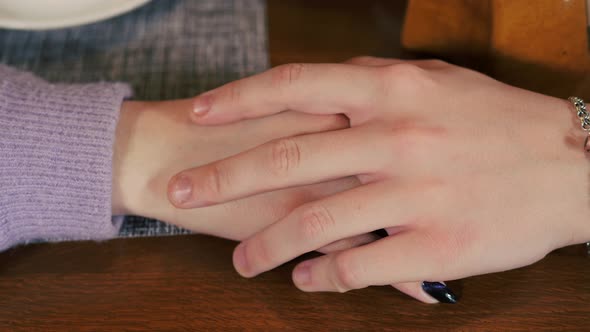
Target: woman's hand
(468, 175)
(155, 140)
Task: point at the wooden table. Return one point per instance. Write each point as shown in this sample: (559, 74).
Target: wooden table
(187, 283)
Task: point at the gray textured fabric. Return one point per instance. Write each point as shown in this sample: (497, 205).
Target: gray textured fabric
(166, 49)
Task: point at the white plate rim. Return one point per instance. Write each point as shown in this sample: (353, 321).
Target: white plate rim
(91, 17)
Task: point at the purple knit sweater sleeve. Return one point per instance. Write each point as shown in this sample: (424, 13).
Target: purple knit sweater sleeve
(56, 147)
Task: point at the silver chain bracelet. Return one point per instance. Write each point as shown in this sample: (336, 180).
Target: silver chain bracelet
(584, 116)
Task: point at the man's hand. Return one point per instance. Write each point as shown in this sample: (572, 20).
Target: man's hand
(468, 175)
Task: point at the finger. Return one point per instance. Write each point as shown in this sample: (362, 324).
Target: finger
(254, 213)
(286, 124)
(309, 88)
(317, 224)
(416, 290)
(214, 144)
(407, 257)
(439, 291)
(413, 289)
(280, 164)
(351, 242)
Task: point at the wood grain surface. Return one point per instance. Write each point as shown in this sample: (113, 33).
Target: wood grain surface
(539, 45)
(187, 283)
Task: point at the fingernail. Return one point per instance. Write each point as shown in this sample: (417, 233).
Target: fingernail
(440, 292)
(381, 233)
(202, 105)
(182, 190)
(240, 262)
(302, 274)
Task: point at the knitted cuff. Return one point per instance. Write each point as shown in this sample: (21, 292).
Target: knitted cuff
(56, 152)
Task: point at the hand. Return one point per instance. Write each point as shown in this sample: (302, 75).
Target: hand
(468, 175)
(154, 140)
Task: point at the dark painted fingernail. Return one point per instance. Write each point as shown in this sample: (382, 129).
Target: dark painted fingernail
(439, 291)
(381, 233)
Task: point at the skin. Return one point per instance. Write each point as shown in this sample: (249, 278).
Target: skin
(155, 140)
(467, 174)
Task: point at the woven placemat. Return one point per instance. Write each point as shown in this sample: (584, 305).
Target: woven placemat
(167, 49)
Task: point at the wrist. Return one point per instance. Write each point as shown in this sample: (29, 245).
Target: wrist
(120, 199)
(580, 218)
(563, 180)
(149, 140)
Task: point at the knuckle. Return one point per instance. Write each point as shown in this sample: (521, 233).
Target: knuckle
(407, 144)
(285, 155)
(215, 181)
(345, 276)
(447, 248)
(288, 74)
(406, 71)
(456, 244)
(411, 137)
(259, 255)
(315, 221)
(232, 93)
(403, 79)
(406, 140)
